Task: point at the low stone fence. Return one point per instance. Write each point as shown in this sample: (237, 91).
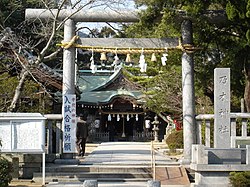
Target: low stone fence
(54, 133)
(143, 136)
(100, 136)
(239, 136)
(213, 165)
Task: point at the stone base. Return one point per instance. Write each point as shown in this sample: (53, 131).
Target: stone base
(185, 162)
(67, 161)
(212, 178)
(90, 183)
(153, 183)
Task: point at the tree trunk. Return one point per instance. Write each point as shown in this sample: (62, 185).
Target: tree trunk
(247, 94)
(18, 91)
(247, 77)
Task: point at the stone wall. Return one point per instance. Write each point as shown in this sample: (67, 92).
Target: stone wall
(27, 164)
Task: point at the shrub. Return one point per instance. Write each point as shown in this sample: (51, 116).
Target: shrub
(240, 179)
(175, 140)
(5, 172)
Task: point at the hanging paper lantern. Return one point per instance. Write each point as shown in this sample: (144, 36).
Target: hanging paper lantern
(164, 59)
(128, 117)
(103, 56)
(145, 67)
(142, 60)
(153, 57)
(118, 117)
(116, 61)
(93, 67)
(128, 58)
(97, 123)
(142, 63)
(136, 117)
(147, 123)
(109, 117)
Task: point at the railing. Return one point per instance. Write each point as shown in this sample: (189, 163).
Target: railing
(54, 133)
(143, 136)
(153, 165)
(100, 136)
(238, 125)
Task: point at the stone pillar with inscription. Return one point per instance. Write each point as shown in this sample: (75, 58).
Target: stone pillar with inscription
(222, 108)
(68, 91)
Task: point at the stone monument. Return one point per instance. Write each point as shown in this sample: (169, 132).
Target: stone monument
(222, 108)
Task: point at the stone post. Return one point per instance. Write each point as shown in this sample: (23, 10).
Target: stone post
(248, 155)
(154, 183)
(49, 137)
(188, 95)
(58, 137)
(90, 183)
(156, 129)
(222, 126)
(15, 173)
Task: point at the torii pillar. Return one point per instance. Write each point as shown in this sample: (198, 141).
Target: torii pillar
(68, 67)
(188, 93)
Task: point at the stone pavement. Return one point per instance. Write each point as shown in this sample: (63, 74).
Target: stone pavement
(132, 155)
(124, 153)
(129, 155)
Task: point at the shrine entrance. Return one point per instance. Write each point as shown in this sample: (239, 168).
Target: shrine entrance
(115, 104)
(124, 121)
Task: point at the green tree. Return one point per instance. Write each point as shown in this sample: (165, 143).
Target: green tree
(26, 45)
(220, 28)
(12, 12)
(32, 43)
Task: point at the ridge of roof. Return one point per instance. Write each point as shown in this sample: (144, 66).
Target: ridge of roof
(109, 80)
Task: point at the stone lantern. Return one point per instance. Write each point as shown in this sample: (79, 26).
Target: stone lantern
(156, 128)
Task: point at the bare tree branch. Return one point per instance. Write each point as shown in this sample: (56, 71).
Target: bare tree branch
(79, 9)
(18, 89)
(52, 55)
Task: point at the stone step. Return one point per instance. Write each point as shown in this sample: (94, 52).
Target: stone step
(73, 180)
(81, 176)
(109, 184)
(111, 169)
(191, 175)
(94, 175)
(101, 184)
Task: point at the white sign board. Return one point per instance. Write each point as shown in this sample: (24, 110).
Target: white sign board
(69, 123)
(22, 135)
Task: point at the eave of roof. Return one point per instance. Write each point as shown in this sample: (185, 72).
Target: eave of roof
(109, 80)
(103, 97)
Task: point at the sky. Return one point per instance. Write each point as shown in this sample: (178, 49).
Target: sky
(105, 5)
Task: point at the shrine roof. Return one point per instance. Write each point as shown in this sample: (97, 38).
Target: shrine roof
(103, 97)
(103, 87)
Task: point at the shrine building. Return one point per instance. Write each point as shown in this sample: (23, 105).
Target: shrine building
(115, 107)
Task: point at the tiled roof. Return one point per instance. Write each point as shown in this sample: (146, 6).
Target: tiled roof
(93, 90)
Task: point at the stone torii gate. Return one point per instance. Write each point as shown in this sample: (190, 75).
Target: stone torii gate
(189, 123)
